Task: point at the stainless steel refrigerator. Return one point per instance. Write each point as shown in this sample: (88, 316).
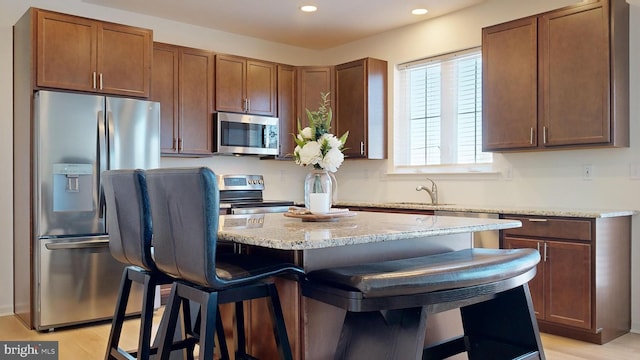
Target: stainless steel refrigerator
(75, 138)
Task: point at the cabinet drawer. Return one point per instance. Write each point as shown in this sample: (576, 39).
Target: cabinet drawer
(551, 228)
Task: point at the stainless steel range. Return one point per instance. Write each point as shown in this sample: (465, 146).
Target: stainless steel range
(242, 194)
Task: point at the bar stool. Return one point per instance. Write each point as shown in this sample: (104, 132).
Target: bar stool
(388, 303)
(185, 205)
(130, 234)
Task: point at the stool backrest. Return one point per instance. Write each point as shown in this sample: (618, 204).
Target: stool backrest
(185, 205)
(128, 217)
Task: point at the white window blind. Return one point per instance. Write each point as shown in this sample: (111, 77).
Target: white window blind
(440, 117)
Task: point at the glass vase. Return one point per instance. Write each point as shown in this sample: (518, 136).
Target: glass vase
(318, 191)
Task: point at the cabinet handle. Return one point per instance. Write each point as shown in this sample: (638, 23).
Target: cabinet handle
(545, 257)
(100, 81)
(245, 105)
(361, 147)
(175, 143)
(180, 145)
(531, 137)
(248, 105)
(537, 220)
(94, 79)
(544, 135)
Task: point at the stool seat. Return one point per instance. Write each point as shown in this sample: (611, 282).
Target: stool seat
(448, 270)
(387, 304)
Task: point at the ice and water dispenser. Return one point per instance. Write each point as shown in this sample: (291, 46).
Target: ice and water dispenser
(73, 187)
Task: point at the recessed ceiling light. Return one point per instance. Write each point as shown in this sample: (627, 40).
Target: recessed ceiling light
(419, 11)
(308, 8)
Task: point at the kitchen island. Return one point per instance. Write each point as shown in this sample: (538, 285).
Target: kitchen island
(314, 327)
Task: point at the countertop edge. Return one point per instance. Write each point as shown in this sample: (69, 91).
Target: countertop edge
(533, 211)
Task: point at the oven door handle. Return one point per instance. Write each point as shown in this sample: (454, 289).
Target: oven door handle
(260, 210)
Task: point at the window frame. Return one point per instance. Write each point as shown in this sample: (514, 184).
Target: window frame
(401, 157)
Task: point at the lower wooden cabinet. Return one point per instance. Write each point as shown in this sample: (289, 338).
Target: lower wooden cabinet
(582, 288)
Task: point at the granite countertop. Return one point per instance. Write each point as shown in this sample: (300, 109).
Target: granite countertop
(512, 210)
(279, 232)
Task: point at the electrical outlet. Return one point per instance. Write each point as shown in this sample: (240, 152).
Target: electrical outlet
(587, 172)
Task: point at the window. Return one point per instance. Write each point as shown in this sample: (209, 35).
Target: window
(440, 115)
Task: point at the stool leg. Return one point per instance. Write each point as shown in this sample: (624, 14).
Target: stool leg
(383, 335)
(146, 318)
(209, 312)
(279, 327)
(118, 316)
(503, 327)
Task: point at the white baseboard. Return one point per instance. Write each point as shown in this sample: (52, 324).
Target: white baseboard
(6, 310)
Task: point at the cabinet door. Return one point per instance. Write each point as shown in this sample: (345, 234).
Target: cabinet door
(164, 89)
(311, 81)
(124, 60)
(510, 85)
(351, 106)
(65, 52)
(261, 88)
(287, 109)
(196, 76)
(574, 49)
(568, 285)
(361, 107)
(537, 284)
(230, 82)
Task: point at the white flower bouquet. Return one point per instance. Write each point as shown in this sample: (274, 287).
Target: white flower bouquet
(315, 145)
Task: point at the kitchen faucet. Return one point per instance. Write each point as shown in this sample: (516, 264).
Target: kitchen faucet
(433, 193)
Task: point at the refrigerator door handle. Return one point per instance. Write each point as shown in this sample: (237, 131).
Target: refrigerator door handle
(78, 244)
(110, 138)
(102, 161)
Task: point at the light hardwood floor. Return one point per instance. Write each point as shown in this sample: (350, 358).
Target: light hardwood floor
(89, 342)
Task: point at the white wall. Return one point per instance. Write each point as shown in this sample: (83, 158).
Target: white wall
(550, 179)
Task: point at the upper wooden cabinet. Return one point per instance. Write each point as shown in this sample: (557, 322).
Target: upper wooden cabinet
(558, 80)
(510, 85)
(311, 82)
(287, 109)
(183, 84)
(76, 53)
(245, 85)
(361, 107)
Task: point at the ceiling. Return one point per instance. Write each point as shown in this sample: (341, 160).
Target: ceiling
(335, 23)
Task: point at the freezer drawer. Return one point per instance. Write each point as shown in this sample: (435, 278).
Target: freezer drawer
(78, 282)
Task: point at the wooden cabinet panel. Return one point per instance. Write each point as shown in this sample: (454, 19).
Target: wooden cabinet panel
(287, 109)
(568, 283)
(164, 89)
(124, 60)
(311, 82)
(261, 87)
(195, 98)
(552, 228)
(245, 85)
(510, 85)
(537, 284)
(561, 289)
(575, 99)
(573, 64)
(76, 53)
(582, 289)
(65, 52)
(361, 107)
(183, 84)
(230, 80)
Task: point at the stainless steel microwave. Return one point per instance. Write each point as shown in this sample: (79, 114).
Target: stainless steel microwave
(246, 134)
